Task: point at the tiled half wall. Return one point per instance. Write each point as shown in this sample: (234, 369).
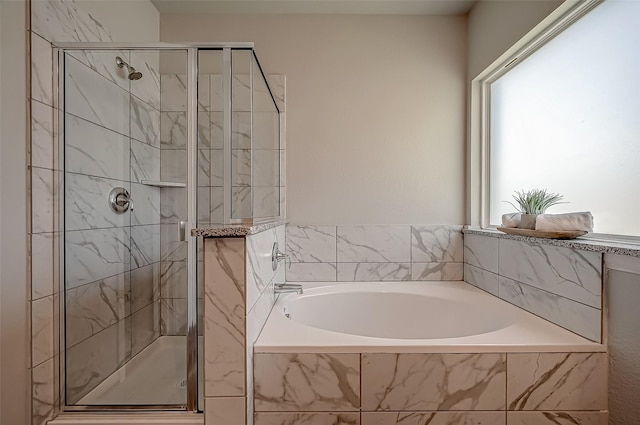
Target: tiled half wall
(238, 299)
(562, 285)
(442, 389)
(374, 252)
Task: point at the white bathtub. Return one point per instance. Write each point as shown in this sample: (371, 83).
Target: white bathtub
(451, 317)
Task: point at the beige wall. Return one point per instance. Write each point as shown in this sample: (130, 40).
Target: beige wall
(375, 110)
(495, 26)
(14, 332)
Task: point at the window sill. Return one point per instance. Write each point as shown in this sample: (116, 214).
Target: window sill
(582, 243)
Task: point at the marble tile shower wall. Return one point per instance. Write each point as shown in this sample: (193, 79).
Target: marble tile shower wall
(112, 260)
(562, 285)
(375, 252)
(113, 297)
(58, 21)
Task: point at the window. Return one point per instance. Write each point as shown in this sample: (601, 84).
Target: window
(567, 118)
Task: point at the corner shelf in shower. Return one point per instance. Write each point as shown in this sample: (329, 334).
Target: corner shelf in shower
(162, 184)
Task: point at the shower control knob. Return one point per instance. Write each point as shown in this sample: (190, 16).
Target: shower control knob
(119, 200)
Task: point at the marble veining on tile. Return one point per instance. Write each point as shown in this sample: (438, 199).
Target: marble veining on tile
(557, 381)
(482, 279)
(86, 203)
(92, 255)
(145, 286)
(147, 204)
(93, 360)
(173, 204)
(307, 382)
(216, 130)
(145, 122)
(266, 130)
(145, 327)
(172, 248)
(104, 63)
(433, 381)
(557, 418)
(94, 150)
(147, 88)
(173, 279)
(224, 319)
(216, 171)
(145, 245)
(481, 252)
(572, 274)
(311, 244)
(433, 418)
(145, 162)
(173, 316)
(577, 317)
(43, 152)
(436, 243)
(436, 271)
(312, 272)
(41, 70)
(173, 130)
(323, 418)
(91, 96)
(363, 272)
(44, 392)
(64, 20)
(42, 197)
(259, 270)
(369, 244)
(94, 307)
(43, 319)
(266, 201)
(173, 166)
(43, 278)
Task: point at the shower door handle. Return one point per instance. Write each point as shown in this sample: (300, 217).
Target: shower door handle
(182, 229)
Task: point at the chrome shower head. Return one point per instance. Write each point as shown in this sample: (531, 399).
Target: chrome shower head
(133, 74)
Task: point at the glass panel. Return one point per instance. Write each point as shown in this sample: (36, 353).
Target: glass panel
(266, 148)
(125, 271)
(565, 119)
(241, 139)
(210, 169)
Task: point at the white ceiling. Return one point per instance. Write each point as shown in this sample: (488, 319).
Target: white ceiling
(367, 7)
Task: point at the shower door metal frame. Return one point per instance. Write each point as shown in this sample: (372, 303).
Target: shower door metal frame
(192, 50)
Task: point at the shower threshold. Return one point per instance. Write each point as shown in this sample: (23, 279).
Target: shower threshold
(155, 376)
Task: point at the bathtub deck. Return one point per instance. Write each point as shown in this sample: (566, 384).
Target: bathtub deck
(529, 333)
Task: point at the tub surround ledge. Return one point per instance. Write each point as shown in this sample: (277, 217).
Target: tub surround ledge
(608, 247)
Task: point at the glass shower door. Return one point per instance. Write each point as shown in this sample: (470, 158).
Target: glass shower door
(125, 303)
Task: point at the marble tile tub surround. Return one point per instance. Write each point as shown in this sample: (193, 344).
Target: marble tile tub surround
(412, 389)
(560, 284)
(375, 252)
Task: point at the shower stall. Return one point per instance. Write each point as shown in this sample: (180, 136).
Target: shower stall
(154, 140)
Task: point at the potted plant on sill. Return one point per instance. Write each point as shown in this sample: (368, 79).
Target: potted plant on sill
(532, 203)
